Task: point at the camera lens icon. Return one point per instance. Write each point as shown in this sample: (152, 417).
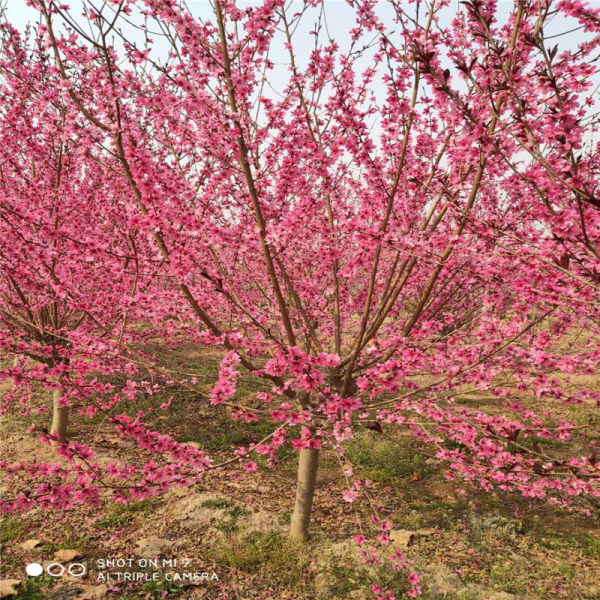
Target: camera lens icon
(56, 569)
(77, 570)
(34, 569)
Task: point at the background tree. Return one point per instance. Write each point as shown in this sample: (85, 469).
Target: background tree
(68, 270)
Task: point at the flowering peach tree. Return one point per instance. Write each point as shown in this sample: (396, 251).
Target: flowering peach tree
(372, 221)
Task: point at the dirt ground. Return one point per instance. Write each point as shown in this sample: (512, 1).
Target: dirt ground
(226, 538)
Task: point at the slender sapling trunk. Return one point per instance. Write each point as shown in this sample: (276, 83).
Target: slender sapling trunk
(60, 416)
(308, 463)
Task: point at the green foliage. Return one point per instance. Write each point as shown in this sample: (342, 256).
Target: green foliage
(344, 574)
(230, 524)
(566, 570)
(160, 588)
(465, 594)
(344, 579)
(510, 576)
(224, 433)
(589, 544)
(114, 520)
(387, 461)
(237, 511)
(12, 528)
(121, 515)
(413, 520)
(69, 541)
(35, 589)
(217, 503)
(500, 526)
(586, 543)
(271, 552)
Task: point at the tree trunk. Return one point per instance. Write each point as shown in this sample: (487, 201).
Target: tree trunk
(308, 463)
(60, 416)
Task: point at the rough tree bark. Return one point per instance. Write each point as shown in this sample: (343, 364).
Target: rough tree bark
(60, 416)
(308, 464)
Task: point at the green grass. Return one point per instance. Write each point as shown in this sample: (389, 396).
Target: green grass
(344, 579)
(386, 461)
(224, 433)
(343, 574)
(160, 588)
(69, 541)
(414, 520)
(120, 515)
(510, 576)
(589, 545)
(35, 589)
(217, 503)
(230, 523)
(11, 529)
(270, 553)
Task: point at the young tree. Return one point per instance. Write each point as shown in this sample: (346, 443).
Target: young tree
(66, 261)
(402, 214)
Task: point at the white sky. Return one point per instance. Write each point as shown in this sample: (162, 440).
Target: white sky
(339, 19)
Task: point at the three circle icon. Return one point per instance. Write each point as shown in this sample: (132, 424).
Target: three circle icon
(56, 569)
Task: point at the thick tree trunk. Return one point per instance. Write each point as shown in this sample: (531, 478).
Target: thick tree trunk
(60, 416)
(308, 463)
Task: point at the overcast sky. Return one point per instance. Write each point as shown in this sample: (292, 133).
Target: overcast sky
(340, 20)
